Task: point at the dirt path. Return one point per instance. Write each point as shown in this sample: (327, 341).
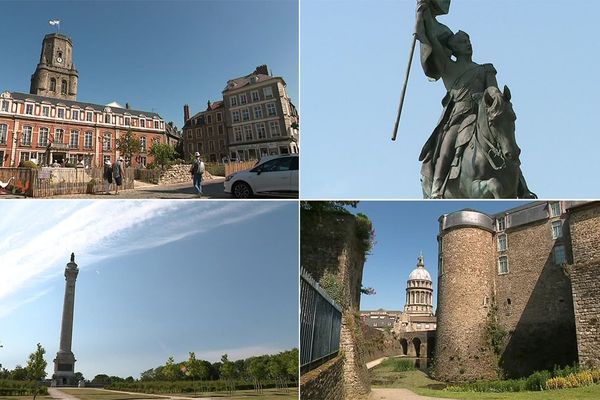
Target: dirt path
(397, 394)
(57, 394)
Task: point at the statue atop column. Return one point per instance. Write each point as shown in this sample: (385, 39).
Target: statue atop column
(472, 152)
(64, 363)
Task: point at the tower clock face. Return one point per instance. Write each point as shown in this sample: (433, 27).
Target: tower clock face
(59, 60)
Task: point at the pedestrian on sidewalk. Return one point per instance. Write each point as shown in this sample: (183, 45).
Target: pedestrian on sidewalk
(197, 170)
(107, 176)
(118, 173)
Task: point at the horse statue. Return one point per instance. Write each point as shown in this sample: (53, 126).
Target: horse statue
(486, 164)
(472, 152)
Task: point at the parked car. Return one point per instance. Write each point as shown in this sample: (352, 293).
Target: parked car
(270, 175)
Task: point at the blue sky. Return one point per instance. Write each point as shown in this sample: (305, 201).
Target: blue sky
(402, 230)
(155, 55)
(156, 279)
(353, 60)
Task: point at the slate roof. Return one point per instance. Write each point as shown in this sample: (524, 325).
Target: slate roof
(71, 103)
(251, 79)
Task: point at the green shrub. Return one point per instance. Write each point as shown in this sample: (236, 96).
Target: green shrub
(537, 380)
(509, 385)
(215, 169)
(27, 164)
(21, 388)
(401, 365)
(564, 371)
(365, 233)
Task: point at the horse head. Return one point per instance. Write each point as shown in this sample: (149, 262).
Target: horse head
(501, 124)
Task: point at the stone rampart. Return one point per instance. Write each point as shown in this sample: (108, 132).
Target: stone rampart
(325, 382)
(331, 253)
(585, 281)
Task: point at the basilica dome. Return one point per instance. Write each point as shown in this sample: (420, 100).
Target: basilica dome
(419, 273)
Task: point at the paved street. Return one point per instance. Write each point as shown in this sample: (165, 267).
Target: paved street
(212, 189)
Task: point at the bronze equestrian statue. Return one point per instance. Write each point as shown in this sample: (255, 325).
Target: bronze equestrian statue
(472, 152)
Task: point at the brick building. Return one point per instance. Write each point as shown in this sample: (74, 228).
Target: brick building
(50, 126)
(205, 132)
(530, 274)
(260, 117)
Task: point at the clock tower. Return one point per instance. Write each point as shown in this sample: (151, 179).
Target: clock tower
(55, 75)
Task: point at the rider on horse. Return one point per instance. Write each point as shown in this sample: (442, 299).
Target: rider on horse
(464, 80)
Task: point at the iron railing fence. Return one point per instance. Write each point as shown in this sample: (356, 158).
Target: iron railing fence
(320, 324)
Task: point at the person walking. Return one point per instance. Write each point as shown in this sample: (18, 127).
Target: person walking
(197, 170)
(118, 173)
(107, 176)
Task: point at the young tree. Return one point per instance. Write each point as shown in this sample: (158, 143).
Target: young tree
(258, 370)
(277, 370)
(163, 153)
(128, 145)
(170, 371)
(19, 373)
(36, 367)
(196, 369)
(227, 373)
(78, 376)
(293, 364)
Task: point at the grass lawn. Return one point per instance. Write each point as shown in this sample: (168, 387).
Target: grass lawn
(420, 383)
(100, 394)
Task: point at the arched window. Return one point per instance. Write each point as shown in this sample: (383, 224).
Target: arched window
(63, 87)
(52, 85)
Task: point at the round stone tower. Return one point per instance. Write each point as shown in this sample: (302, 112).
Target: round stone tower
(465, 295)
(419, 291)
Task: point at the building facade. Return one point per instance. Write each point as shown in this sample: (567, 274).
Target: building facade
(511, 273)
(51, 127)
(205, 133)
(260, 117)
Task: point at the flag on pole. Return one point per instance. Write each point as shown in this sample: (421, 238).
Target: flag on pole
(54, 22)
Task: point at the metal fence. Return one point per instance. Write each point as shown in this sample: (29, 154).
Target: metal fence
(320, 324)
(46, 181)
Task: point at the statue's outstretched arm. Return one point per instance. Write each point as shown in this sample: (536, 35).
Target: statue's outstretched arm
(434, 55)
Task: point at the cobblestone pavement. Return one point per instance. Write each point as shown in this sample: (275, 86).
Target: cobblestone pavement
(397, 394)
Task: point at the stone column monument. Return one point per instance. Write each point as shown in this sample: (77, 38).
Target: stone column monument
(64, 363)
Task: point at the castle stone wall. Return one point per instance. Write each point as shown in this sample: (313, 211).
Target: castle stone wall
(585, 280)
(464, 298)
(325, 382)
(533, 303)
(329, 245)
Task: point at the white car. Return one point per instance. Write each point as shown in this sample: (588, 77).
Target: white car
(270, 175)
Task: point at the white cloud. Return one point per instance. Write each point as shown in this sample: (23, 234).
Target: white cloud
(38, 237)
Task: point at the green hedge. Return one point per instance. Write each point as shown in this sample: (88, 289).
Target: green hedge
(21, 388)
(185, 386)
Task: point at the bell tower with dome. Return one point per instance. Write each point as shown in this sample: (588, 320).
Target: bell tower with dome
(419, 291)
(55, 75)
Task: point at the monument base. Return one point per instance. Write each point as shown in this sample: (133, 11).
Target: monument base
(64, 369)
